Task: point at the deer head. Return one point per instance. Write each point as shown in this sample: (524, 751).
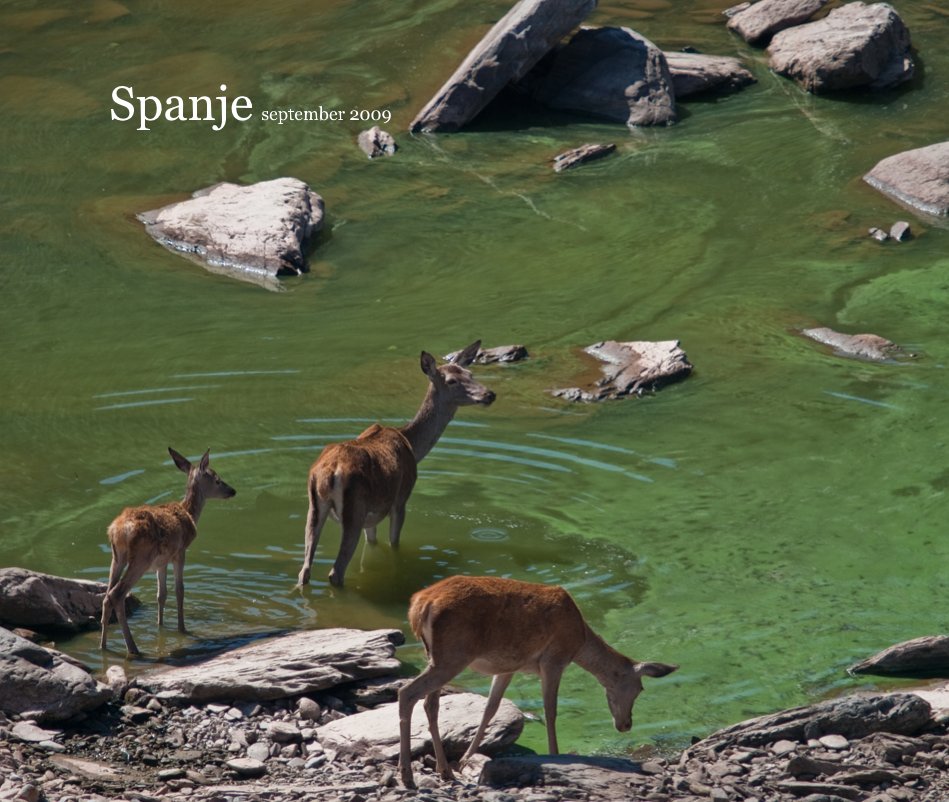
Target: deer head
(453, 383)
(621, 695)
(205, 482)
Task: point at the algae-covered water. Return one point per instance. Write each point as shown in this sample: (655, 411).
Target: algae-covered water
(765, 523)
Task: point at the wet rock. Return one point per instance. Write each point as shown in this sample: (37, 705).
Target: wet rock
(918, 178)
(857, 346)
(43, 601)
(765, 18)
(288, 665)
(375, 143)
(254, 233)
(921, 657)
(900, 231)
(500, 353)
(856, 45)
(600, 777)
(614, 73)
(505, 54)
(43, 684)
(581, 155)
(631, 368)
(697, 73)
(878, 234)
(375, 733)
(731, 11)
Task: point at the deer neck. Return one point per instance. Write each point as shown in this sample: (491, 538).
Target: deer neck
(193, 502)
(602, 660)
(429, 422)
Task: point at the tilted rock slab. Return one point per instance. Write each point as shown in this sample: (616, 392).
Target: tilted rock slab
(43, 684)
(254, 233)
(490, 356)
(43, 601)
(925, 657)
(375, 733)
(762, 20)
(506, 53)
(581, 155)
(697, 73)
(856, 45)
(600, 777)
(857, 346)
(608, 72)
(287, 665)
(919, 178)
(850, 716)
(631, 368)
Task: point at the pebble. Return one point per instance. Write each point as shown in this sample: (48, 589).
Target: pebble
(258, 751)
(836, 742)
(247, 767)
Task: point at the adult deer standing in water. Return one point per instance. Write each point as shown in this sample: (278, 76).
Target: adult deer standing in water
(362, 481)
(149, 537)
(501, 626)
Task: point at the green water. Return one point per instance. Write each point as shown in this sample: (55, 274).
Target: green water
(765, 523)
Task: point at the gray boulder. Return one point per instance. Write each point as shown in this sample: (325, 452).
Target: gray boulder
(918, 178)
(697, 73)
(489, 356)
(42, 601)
(254, 233)
(762, 20)
(42, 684)
(608, 72)
(375, 143)
(856, 45)
(374, 734)
(858, 346)
(287, 665)
(505, 54)
(631, 368)
(925, 657)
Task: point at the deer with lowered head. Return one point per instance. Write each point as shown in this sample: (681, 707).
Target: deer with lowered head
(362, 481)
(148, 537)
(498, 627)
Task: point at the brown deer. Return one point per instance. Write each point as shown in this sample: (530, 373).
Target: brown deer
(147, 538)
(500, 626)
(362, 481)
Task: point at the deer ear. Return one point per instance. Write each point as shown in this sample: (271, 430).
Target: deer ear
(429, 365)
(467, 356)
(180, 461)
(203, 465)
(655, 669)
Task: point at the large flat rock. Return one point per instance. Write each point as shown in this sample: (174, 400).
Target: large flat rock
(506, 53)
(43, 684)
(918, 178)
(872, 347)
(600, 777)
(43, 601)
(856, 45)
(255, 233)
(925, 657)
(287, 665)
(765, 18)
(375, 733)
(698, 73)
(614, 73)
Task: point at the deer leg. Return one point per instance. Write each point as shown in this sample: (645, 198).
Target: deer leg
(161, 575)
(371, 535)
(429, 681)
(180, 590)
(315, 518)
(441, 760)
(550, 686)
(352, 519)
(115, 571)
(116, 596)
(498, 686)
(396, 519)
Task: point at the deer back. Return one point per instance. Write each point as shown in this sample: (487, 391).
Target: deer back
(379, 465)
(152, 534)
(496, 625)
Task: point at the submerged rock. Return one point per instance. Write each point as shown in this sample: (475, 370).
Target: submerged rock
(607, 72)
(631, 368)
(697, 73)
(856, 45)
(761, 21)
(858, 346)
(581, 155)
(375, 143)
(287, 665)
(43, 601)
(925, 657)
(254, 233)
(918, 178)
(44, 684)
(500, 353)
(505, 54)
(375, 733)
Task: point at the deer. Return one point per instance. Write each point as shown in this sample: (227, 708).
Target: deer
(360, 482)
(499, 627)
(148, 537)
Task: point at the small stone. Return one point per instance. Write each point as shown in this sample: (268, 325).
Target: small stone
(171, 774)
(836, 742)
(900, 231)
(878, 234)
(315, 761)
(781, 748)
(258, 751)
(51, 746)
(154, 705)
(135, 714)
(651, 767)
(307, 709)
(246, 767)
(284, 733)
